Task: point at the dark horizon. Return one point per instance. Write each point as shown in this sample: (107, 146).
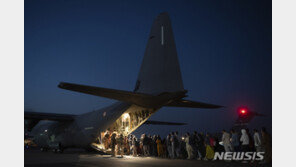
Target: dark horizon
(224, 50)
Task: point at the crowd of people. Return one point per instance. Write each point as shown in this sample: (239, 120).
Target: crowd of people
(198, 146)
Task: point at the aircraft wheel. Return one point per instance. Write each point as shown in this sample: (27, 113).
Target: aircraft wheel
(60, 149)
(43, 149)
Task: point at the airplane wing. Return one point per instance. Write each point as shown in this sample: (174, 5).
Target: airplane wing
(141, 99)
(120, 95)
(34, 117)
(191, 104)
(163, 123)
(173, 99)
(49, 116)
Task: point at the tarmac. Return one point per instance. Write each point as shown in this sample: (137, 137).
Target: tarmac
(80, 158)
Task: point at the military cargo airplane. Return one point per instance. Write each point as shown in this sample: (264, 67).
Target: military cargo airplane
(159, 84)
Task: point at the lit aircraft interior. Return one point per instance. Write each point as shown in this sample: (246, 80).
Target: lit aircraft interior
(128, 122)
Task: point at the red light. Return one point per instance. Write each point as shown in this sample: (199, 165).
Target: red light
(243, 111)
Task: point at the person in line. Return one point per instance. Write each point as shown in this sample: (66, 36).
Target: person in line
(234, 141)
(145, 145)
(209, 149)
(141, 146)
(226, 141)
(164, 148)
(134, 144)
(106, 140)
(201, 146)
(188, 146)
(154, 146)
(159, 147)
(266, 143)
(257, 140)
(120, 144)
(113, 144)
(212, 141)
(150, 145)
(126, 145)
(130, 142)
(195, 145)
(218, 147)
(245, 142)
(183, 151)
(177, 144)
(173, 145)
(251, 141)
(169, 145)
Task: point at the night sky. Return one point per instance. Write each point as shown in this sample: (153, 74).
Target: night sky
(224, 49)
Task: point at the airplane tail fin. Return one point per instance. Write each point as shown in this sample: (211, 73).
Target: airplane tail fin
(159, 81)
(160, 69)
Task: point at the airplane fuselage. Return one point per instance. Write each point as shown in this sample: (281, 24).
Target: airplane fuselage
(121, 118)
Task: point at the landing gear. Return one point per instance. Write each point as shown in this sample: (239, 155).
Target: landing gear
(44, 149)
(60, 149)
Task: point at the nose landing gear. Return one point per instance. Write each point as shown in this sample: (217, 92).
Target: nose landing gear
(57, 148)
